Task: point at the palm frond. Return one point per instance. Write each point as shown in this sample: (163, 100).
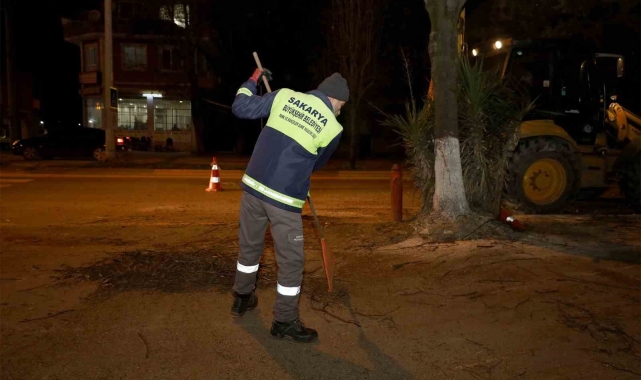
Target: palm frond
(490, 111)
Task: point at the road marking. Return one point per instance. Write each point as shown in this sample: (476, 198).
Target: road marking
(12, 181)
(6, 182)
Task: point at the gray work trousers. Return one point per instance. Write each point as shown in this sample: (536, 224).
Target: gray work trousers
(287, 232)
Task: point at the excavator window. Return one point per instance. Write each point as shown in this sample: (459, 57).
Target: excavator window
(532, 68)
(494, 62)
(620, 68)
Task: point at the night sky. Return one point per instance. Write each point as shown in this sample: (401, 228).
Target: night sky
(265, 26)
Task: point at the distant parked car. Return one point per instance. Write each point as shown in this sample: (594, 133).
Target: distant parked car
(66, 143)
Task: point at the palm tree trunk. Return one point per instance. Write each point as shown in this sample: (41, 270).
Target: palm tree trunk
(449, 192)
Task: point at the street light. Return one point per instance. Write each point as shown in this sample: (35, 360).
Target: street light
(475, 52)
(498, 45)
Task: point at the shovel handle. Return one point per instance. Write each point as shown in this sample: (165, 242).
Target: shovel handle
(260, 67)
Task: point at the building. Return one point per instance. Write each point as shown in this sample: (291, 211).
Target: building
(153, 70)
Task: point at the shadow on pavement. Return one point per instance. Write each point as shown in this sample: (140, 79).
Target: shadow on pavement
(601, 237)
(306, 361)
(597, 250)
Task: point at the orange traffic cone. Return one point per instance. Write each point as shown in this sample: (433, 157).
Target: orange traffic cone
(214, 180)
(507, 217)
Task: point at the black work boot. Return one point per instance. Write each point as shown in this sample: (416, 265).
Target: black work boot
(243, 302)
(294, 331)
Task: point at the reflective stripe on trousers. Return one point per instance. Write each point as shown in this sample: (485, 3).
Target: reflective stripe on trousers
(288, 291)
(247, 269)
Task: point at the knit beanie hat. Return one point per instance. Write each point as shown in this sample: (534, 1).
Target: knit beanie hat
(335, 86)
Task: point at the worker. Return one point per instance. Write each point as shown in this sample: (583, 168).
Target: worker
(300, 136)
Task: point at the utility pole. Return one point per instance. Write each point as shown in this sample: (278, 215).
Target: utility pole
(107, 81)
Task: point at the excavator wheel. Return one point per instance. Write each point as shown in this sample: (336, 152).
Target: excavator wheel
(543, 175)
(630, 181)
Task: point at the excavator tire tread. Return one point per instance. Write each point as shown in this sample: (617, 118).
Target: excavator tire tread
(531, 149)
(630, 182)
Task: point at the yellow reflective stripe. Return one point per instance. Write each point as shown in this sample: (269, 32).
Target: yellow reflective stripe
(244, 91)
(273, 194)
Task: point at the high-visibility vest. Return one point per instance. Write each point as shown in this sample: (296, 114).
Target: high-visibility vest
(305, 118)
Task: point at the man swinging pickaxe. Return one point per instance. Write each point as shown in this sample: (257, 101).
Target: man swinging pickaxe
(301, 135)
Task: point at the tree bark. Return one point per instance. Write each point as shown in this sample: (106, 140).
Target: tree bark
(352, 127)
(449, 192)
(353, 38)
(196, 112)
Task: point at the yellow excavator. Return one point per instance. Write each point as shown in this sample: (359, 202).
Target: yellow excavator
(578, 139)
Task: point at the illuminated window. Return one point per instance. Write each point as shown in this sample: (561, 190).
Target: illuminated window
(172, 115)
(179, 14)
(132, 114)
(94, 112)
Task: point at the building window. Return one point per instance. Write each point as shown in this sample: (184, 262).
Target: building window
(179, 14)
(91, 57)
(134, 57)
(202, 65)
(94, 112)
(132, 114)
(169, 59)
(172, 115)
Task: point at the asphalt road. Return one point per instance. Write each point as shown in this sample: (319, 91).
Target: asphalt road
(57, 196)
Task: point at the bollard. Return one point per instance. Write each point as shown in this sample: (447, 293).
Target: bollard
(396, 189)
(507, 217)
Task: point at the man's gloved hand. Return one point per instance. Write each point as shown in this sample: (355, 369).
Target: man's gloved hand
(258, 75)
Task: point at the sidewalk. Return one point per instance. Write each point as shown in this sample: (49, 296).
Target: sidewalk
(174, 161)
(144, 173)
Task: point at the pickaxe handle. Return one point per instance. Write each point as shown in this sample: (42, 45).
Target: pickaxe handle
(260, 67)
